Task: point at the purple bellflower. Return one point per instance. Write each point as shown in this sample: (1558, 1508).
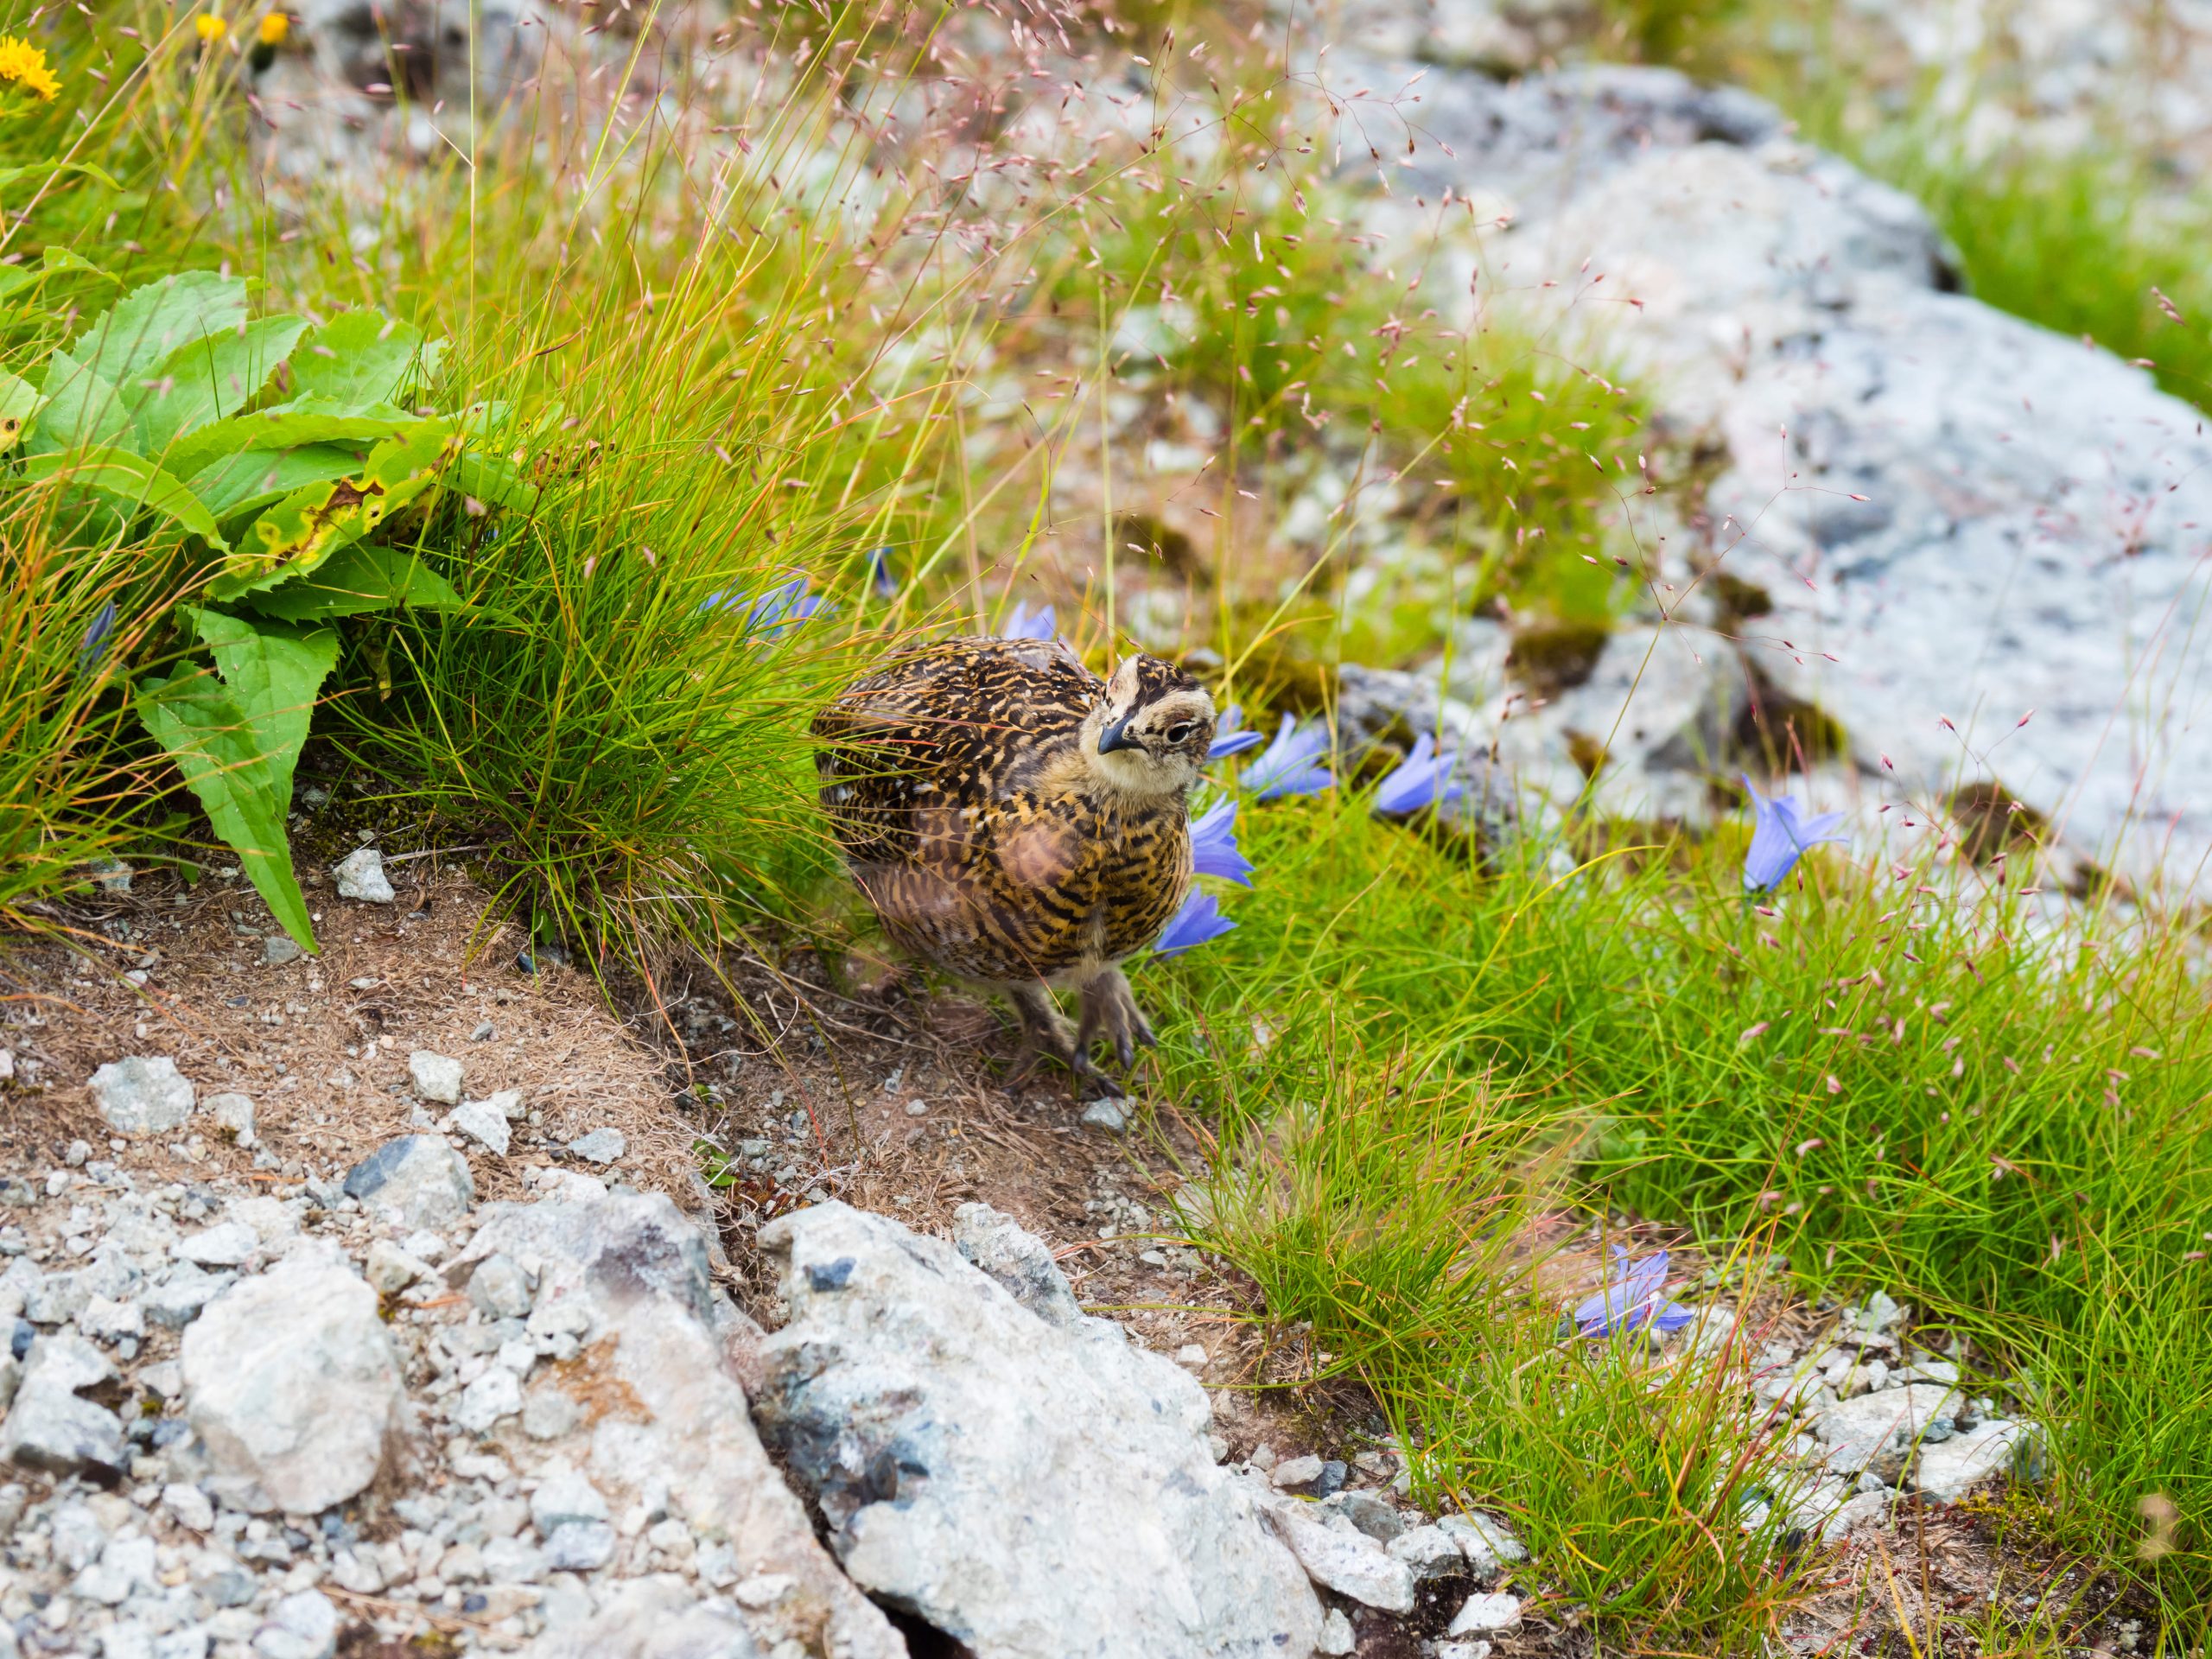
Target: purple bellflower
(1422, 778)
(880, 575)
(1199, 920)
(1029, 622)
(93, 646)
(1291, 765)
(771, 611)
(1229, 737)
(1213, 846)
(1636, 1297)
(1779, 837)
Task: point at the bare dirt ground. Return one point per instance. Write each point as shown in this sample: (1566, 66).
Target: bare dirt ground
(783, 1090)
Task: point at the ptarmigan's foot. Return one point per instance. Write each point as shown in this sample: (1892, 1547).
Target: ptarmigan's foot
(1049, 1034)
(1110, 1010)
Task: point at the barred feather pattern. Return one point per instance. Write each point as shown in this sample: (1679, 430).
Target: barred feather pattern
(953, 783)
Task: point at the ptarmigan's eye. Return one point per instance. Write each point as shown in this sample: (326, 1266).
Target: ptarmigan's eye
(1179, 734)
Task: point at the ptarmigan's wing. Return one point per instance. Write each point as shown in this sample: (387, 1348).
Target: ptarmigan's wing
(943, 726)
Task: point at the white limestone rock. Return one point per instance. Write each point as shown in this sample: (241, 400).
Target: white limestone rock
(291, 1384)
(1032, 1483)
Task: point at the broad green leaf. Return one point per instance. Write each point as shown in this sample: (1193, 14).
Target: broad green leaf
(205, 379)
(236, 735)
(150, 321)
(274, 672)
(307, 526)
(304, 420)
(359, 357)
(489, 478)
(131, 479)
(256, 479)
(19, 401)
(356, 579)
(15, 278)
(83, 408)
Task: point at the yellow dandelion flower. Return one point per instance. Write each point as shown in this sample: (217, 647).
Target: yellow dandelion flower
(211, 27)
(273, 28)
(25, 65)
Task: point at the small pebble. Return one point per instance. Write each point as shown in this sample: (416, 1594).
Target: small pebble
(1106, 1115)
(602, 1146)
(359, 875)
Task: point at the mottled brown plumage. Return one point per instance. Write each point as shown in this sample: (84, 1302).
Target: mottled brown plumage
(1019, 821)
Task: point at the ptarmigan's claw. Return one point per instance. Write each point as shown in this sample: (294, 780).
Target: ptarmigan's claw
(1109, 1010)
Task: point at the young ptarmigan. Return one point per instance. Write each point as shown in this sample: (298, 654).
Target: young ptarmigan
(1020, 822)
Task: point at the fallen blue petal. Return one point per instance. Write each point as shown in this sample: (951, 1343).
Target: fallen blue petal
(1029, 622)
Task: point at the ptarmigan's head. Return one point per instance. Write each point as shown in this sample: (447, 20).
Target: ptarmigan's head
(1151, 735)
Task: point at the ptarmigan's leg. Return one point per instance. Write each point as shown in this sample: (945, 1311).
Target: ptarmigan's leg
(1049, 1032)
(1109, 1010)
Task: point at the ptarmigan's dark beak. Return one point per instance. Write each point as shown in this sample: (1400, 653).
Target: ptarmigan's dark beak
(1115, 735)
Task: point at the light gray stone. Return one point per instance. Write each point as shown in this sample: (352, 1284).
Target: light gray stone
(234, 1116)
(1877, 1434)
(391, 1269)
(1293, 1472)
(108, 1321)
(1111, 1116)
(1371, 1514)
(292, 1385)
(1947, 1473)
(191, 1506)
(652, 1618)
(483, 1122)
(603, 1145)
(510, 1560)
(435, 1077)
(419, 1177)
(629, 1273)
(1486, 1541)
(500, 1287)
(175, 1302)
(125, 1566)
(49, 1427)
(564, 1496)
(360, 875)
(912, 1392)
(496, 1394)
(1486, 1613)
(142, 1095)
(579, 1546)
(1019, 1261)
(1337, 1556)
(303, 1625)
(227, 1244)
(1338, 1635)
(278, 948)
(1955, 516)
(1430, 1552)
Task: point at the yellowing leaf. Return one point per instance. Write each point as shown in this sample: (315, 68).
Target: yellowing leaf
(305, 527)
